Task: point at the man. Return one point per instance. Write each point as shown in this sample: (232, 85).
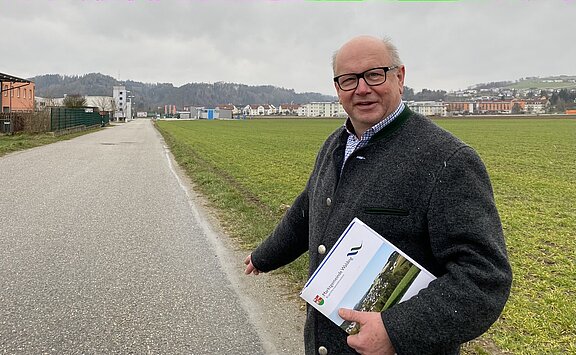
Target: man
(417, 185)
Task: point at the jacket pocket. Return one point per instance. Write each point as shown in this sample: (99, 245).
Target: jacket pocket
(386, 211)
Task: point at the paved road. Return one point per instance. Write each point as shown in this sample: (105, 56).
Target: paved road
(103, 249)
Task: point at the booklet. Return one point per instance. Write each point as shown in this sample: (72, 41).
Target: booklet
(365, 272)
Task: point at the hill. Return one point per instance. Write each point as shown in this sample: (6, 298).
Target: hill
(151, 96)
(545, 83)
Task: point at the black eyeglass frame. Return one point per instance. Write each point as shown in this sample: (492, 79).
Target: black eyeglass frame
(361, 76)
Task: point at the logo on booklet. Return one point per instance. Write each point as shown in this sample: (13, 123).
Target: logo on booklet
(354, 250)
(318, 300)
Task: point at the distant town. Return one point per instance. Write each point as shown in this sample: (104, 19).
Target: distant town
(529, 96)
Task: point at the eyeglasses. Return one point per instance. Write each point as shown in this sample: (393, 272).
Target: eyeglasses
(372, 77)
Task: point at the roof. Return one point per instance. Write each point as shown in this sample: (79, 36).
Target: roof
(290, 106)
(13, 79)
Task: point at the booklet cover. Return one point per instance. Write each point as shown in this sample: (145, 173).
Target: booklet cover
(365, 272)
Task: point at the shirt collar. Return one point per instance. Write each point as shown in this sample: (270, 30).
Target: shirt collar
(378, 126)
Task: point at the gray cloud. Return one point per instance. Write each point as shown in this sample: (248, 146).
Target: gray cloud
(289, 43)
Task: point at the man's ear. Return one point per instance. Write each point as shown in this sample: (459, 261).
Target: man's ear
(401, 74)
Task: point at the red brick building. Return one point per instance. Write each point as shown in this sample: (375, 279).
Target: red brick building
(16, 94)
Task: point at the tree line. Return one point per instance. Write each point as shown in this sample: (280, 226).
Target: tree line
(153, 97)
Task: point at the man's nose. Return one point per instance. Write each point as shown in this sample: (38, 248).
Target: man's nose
(363, 87)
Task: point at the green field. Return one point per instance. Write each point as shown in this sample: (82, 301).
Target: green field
(250, 170)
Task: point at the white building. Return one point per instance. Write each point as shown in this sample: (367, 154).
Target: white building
(428, 108)
(322, 109)
(123, 103)
(104, 103)
(259, 110)
(535, 106)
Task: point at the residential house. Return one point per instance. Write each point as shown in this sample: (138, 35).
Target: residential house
(259, 110)
(288, 109)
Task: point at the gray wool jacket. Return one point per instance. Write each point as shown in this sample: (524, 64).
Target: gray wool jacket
(429, 194)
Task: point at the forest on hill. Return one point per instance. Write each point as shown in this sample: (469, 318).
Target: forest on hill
(151, 96)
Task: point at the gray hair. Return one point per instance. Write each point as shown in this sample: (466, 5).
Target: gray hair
(392, 51)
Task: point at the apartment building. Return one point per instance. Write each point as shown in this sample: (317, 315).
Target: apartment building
(536, 106)
(322, 109)
(428, 108)
(17, 95)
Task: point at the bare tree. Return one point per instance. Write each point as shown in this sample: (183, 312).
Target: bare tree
(74, 100)
(105, 103)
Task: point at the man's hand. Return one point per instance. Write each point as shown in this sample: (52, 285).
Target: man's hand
(250, 269)
(373, 337)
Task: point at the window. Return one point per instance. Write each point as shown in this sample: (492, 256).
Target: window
(6, 90)
(18, 92)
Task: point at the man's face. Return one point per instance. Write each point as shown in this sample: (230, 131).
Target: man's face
(367, 105)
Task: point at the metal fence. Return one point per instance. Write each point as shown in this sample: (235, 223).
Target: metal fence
(64, 118)
(6, 123)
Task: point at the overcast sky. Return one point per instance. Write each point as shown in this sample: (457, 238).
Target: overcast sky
(285, 43)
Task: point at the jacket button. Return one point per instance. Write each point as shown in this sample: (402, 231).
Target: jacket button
(322, 350)
(328, 202)
(321, 249)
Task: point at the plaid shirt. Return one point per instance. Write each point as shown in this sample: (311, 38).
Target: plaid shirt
(354, 143)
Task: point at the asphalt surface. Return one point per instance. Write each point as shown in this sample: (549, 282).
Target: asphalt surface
(106, 249)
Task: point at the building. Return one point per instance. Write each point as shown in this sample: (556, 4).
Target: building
(42, 102)
(225, 111)
(288, 109)
(322, 109)
(105, 104)
(123, 103)
(259, 110)
(16, 94)
(428, 108)
(120, 101)
(461, 107)
(512, 106)
(229, 107)
(536, 106)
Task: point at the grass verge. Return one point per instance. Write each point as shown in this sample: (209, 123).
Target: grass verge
(251, 170)
(22, 141)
